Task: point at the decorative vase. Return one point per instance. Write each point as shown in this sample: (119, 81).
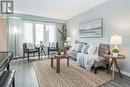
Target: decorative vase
(115, 54)
(62, 53)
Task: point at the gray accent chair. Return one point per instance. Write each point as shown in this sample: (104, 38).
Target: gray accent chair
(103, 49)
(30, 51)
(53, 49)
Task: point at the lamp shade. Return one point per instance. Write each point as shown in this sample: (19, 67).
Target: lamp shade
(116, 39)
(68, 39)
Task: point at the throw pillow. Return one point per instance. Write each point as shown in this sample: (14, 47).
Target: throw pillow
(85, 49)
(30, 46)
(52, 44)
(92, 49)
(79, 47)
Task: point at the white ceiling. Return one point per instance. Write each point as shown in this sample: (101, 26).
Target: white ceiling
(59, 9)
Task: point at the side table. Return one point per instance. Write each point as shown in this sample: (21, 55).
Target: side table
(42, 50)
(114, 64)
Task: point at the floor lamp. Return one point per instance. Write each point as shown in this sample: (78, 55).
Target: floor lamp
(15, 33)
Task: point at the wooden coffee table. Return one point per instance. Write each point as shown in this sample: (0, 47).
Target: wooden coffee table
(58, 58)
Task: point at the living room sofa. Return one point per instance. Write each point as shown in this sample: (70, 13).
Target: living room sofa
(99, 61)
(73, 51)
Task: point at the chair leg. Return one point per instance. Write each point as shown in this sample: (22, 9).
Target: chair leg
(23, 55)
(39, 55)
(107, 66)
(95, 70)
(33, 54)
(13, 82)
(48, 54)
(28, 56)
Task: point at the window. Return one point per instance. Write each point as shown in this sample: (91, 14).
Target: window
(39, 32)
(35, 32)
(28, 32)
(50, 28)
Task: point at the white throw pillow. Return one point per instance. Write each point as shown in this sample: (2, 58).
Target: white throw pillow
(79, 47)
(53, 44)
(92, 49)
(30, 46)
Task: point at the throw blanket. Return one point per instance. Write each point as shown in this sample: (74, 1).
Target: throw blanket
(86, 60)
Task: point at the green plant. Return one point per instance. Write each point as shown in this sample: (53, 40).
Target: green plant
(115, 50)
(61, 49)
(63, 33)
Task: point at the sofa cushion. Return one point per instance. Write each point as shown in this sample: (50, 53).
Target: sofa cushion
(92, 49)
(30, 46)
(53, 44)
(79, 47)
(85, 49)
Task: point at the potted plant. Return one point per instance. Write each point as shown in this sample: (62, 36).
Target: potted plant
(62, 50)
(115, 52)
(63, 33)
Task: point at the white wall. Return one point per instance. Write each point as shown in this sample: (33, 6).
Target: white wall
(116, 20)
(3, 35)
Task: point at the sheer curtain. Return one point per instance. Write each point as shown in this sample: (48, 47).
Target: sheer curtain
(15, 38)
(21, 31)
(51, 28)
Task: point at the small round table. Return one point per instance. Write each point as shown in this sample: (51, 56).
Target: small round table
(114, 64)
(42, 50)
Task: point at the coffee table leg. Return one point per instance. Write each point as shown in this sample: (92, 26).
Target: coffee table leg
(51, 62)
(68, 62)
(58, 66)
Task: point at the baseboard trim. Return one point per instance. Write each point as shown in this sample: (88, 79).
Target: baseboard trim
(125, 73)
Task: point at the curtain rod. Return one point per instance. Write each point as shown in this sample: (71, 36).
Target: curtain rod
(40, 21)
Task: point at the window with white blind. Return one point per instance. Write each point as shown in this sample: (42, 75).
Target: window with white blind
(35, 32)
(28, 32)
(51, 32)
(39, 33)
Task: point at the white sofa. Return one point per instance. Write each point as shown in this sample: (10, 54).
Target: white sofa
(94, 58)
(73, 50)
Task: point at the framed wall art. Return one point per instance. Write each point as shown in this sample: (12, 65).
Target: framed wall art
(91, 29)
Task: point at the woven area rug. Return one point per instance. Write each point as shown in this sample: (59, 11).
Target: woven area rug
(73, 76)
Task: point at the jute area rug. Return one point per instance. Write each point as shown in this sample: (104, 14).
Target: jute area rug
(73, 76)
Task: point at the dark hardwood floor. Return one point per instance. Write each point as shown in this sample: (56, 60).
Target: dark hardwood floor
(25, 75)
(118, 82)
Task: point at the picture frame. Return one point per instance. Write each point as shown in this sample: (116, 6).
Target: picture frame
(91, 29)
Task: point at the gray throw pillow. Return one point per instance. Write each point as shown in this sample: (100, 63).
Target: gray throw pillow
(85, 49)
(79, 47)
